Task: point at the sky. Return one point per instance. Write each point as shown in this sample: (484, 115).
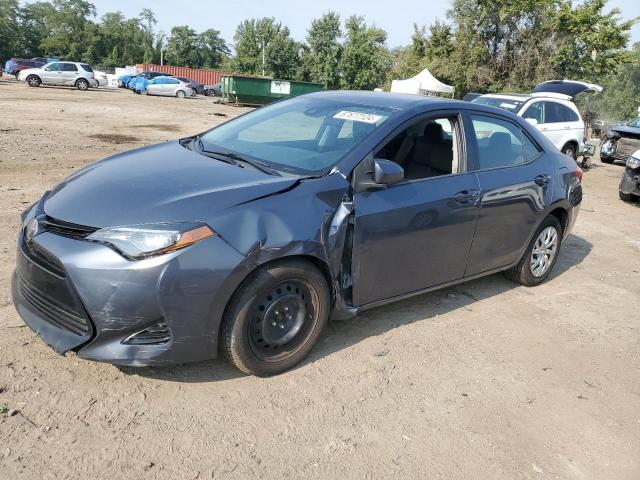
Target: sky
(394, 16)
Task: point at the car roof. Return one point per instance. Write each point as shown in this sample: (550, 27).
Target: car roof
(398, 101)
(518, 97)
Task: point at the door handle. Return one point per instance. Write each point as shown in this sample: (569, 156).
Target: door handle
(466, 196)
(542, 180)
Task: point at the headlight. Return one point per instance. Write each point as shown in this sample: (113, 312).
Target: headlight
(149, 240)
(633, 161)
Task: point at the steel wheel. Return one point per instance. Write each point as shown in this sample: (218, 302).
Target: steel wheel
(281, 319)
(544, 251)
(275, 317)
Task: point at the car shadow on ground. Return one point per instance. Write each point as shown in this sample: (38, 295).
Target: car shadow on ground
(343, 334)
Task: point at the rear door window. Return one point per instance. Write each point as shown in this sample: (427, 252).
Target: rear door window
(554, 112)
(69, 67)
(501, 143)
(86, 67)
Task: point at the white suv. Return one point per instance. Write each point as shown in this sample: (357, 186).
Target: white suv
(551, 109)
(79, 75)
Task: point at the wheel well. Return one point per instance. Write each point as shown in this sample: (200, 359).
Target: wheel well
(573, 143)
(562, 216)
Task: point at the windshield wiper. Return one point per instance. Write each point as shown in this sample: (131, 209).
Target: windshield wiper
(234, 158)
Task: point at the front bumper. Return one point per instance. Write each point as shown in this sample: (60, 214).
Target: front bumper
(630, 182)
(186, 290)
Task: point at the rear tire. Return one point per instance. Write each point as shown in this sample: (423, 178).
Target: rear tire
(180, 94)
(540, 256)
(627, 197)
(33, 81)
(82, 84)
(275, 317)
(570, 150)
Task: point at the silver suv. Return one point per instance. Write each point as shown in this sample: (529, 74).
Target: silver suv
(73, 74)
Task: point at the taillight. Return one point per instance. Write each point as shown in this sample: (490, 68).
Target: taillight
(579, 173)
(189, 85)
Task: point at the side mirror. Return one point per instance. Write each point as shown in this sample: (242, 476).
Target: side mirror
(386, 172)
(532, 121)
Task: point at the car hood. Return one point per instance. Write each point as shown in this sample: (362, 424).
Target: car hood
(156, 184)
(26, 71)
(626, 131)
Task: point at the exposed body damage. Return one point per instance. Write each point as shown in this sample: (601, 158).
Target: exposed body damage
(621, 142)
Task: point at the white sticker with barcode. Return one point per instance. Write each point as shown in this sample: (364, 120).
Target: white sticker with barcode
(357, 116)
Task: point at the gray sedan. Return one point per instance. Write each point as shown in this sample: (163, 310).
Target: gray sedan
(247, 238)
(170, 87)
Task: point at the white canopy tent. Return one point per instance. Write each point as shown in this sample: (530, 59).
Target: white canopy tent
(422, 84)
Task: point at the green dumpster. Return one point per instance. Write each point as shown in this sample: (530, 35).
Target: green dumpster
(249, 90)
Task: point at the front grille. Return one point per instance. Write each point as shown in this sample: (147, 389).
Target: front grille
(53, 311)
(65, 229)
(156, 334)
(43, 258)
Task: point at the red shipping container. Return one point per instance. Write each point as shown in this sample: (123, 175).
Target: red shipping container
(206, 77)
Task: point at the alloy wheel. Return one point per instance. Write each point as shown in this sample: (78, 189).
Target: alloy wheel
(544, 251)
(282, 319)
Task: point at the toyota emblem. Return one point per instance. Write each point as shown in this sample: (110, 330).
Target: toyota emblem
(31, 230)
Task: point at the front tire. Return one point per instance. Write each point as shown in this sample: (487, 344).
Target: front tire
(33, 81)
(540, 256)
(608, 160)
(82, 84)
(275, 317)
(627, 197)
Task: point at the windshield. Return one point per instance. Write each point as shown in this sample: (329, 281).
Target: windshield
(301, 135)
(504, 103)
(635, 123)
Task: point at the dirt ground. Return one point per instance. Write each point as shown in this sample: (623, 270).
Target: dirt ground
(484, 380)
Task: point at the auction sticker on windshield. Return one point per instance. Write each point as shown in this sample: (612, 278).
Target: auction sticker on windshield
(358, 116)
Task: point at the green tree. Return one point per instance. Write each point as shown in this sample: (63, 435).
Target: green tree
(182, 46)
(365, 59)
(621, 91)
(321, 58)
(147, 23)
(591, 41)
(68, 23)
(34, 26)
(9, 29)
(212, 48)
(265, 47)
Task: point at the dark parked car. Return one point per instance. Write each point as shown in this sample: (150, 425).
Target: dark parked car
(214, 90)
(149, 75)
(630, 182)
(248, 237)
(620, 142)
(196, 86)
